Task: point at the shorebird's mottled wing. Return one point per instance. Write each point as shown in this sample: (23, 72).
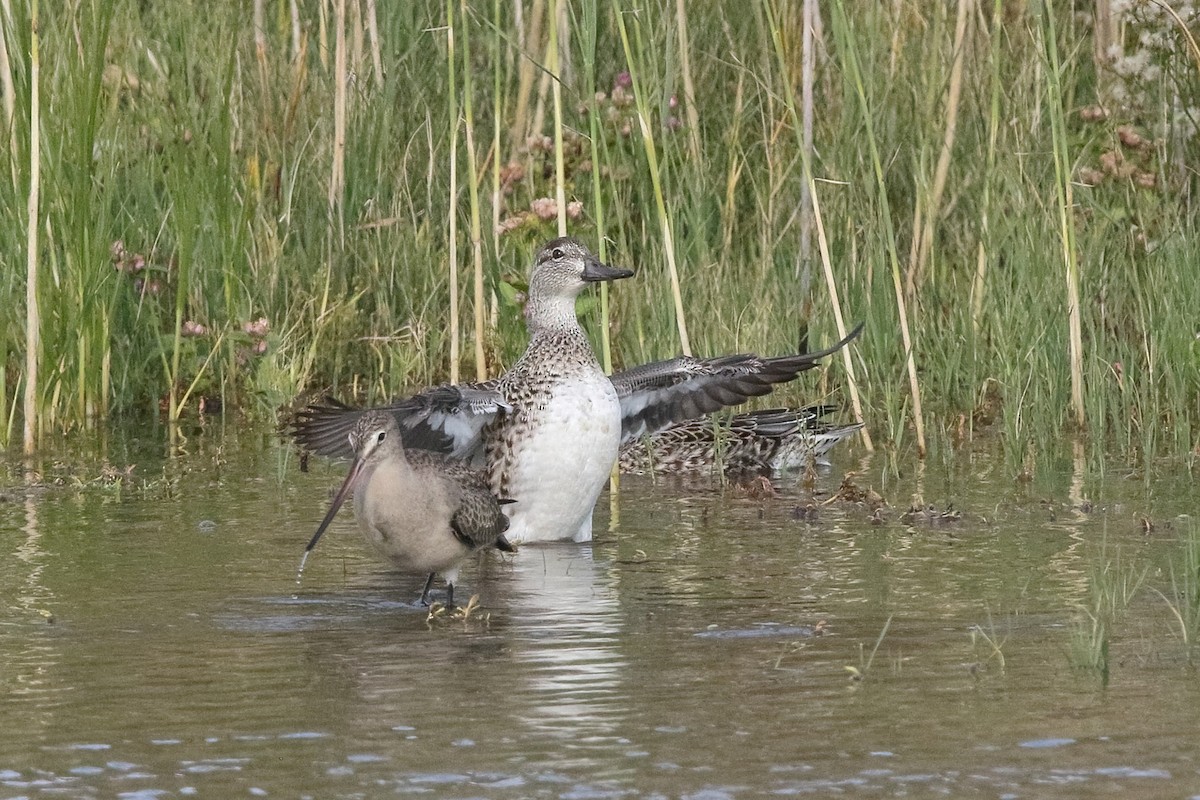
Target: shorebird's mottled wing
(477, 519)
(654, 396)
(445, 419)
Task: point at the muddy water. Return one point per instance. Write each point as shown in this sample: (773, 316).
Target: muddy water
(154, 642)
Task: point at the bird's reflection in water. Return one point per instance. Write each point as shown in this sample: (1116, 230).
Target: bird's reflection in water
(565, 631)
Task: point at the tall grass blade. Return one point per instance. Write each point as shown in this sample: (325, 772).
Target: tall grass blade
(337, 175)
(473, 194)
(984, 252)
(848, 46)
(452, 215)
(1066, 206)
(925, 234)
(803, 132)
(633, 64)
(33, 322)
(557, 11)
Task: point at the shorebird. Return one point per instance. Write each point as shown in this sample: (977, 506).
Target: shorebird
(419, 510)
(548, 430)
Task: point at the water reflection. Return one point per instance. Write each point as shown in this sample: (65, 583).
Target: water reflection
(540, 663)
(28, 641)
(565, 630)
(672, 657)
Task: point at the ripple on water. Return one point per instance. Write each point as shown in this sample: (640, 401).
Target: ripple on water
(762, 630)
(637, 666)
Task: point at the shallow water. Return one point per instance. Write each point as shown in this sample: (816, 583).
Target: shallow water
(155, 642)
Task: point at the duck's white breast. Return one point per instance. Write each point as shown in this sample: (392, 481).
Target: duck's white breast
(562, 452)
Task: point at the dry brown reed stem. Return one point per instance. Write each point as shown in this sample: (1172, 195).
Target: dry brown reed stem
(909, 357)
(323, 32)
(808, 62)
(337, 177)
(373, 32)
(356, 28)
(260, 48)
(736, 164)
(538, 121)
(497, 111)
(552, 72)
(914, 244)
(299, 82)
(453, 205)
(294, 11)
(525, 72)
(933, 210)
(835, 301)
(689, 86)
(33, 321)
(10, 97)
(1104, 35)
(473, 194)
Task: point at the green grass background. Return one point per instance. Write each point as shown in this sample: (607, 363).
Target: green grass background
(166, 128)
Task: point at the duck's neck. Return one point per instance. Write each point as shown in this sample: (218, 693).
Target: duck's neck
(551, 315)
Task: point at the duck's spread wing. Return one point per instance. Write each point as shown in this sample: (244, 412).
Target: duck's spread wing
(446, 419)
(656, 395)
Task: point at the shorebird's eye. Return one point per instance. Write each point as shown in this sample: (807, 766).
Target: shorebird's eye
(380, 437)
(558, 253)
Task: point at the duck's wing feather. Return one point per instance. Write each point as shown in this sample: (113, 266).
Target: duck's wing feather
(446, 419)
(656, 395)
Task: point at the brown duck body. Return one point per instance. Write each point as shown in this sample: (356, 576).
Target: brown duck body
(755, 443)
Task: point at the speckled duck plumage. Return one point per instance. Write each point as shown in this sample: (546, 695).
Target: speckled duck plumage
(755, 443)
(547, 432)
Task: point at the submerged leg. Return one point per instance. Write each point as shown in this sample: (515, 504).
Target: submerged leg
(449, 595)
(425, 591)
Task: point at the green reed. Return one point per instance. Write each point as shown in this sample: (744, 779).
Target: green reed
(212, 160)
(1112, 586)
(1183, 602)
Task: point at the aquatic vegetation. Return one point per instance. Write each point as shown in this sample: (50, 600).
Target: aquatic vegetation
(1112, 586)
(1183, 602)
(469, 615)
(865, 659)
(230, 214)
(988, 646)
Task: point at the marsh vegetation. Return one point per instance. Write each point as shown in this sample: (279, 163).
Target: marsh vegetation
(234, 206)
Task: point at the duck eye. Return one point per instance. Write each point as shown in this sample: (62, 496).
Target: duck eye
(558, 253)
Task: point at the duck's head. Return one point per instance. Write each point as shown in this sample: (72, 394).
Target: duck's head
(563, 266)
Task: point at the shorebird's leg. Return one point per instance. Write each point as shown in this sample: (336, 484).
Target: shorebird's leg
(425, 591)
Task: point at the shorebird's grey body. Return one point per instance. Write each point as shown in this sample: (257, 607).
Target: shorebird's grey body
(419, 510)
(547, 432)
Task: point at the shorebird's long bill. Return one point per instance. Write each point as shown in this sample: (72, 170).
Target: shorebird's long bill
(595, 271)
(338, 499)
